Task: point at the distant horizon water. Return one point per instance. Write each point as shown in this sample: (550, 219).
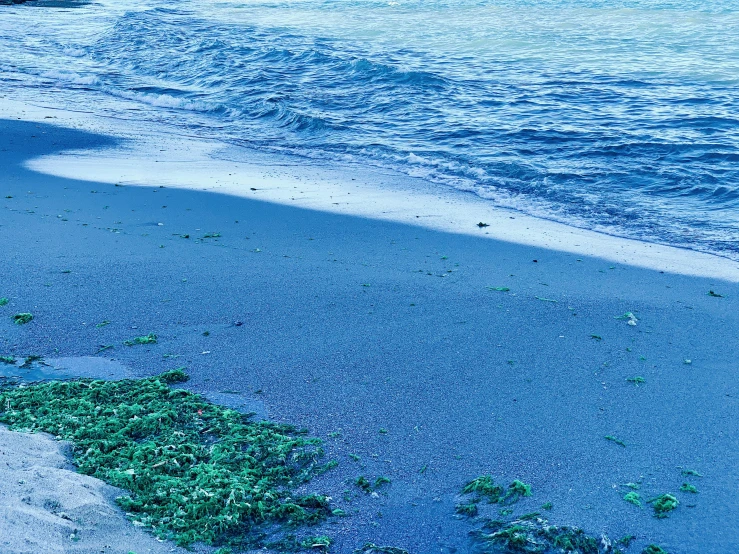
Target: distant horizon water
(622, 117)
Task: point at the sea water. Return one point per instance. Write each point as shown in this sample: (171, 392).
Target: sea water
(620, 116)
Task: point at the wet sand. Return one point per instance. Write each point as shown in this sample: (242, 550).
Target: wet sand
(391, 342)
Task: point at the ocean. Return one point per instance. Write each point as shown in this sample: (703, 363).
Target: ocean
(619, 116)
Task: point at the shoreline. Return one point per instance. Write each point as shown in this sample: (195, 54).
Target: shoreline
(475, 355)
(197, 164)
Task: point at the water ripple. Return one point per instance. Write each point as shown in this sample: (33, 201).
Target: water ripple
(619, 116)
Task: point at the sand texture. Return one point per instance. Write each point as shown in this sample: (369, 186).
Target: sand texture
(424, 356)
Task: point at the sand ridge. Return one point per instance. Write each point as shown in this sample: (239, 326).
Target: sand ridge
(46, 507)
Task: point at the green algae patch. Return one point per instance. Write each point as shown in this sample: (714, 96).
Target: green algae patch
(484, 486)
(367, 487)
(633, 498)
(615, 440)
(192, 471)
(687, 487)
(151, 338)
(534, 536)
(654, 549)
(663, 505)
(4, 302)
(468, 509)
(516, 490)
(23, 318)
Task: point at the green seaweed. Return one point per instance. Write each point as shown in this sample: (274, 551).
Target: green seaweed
(363, 484)
(636, 380)
(211, 235)
(516, 490)
(30, 359)
(499, 289)
(22, 318)
(546, 299)
(484, 486)
(687, 487)
(596, 337)
(626, 540)
(654, 549)
(102, 324)
(547, 506)
(104, 347)
(615, 440)
(468, 509)
(4, 302)
(715, 294)
(633, 498)
(193, 471)
(691, 472)
(533, 536)
(151, 338)
(8, 360)
(381, 481)
(663, 505)
(371, 548)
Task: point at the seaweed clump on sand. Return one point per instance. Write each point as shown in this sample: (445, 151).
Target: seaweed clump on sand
(654, 549)
(485, 487)
(151, 338)
(536, 536)
(663, 505)
(193, 471)
(22, 318)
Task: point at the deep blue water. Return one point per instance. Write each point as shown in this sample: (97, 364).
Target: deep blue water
(618, 116)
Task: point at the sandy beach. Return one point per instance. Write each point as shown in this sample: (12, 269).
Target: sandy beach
(429, 351)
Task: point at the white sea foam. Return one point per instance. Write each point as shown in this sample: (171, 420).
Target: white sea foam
(162, 100)
(70, 77)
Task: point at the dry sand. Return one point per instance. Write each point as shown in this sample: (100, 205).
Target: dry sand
(348, 325)
(48, 508)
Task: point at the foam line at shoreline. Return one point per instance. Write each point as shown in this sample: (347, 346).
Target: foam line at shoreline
(154, 158)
